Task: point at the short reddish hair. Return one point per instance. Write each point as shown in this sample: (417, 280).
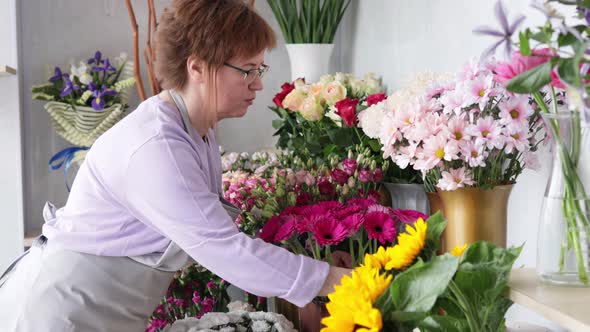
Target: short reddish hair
(212, 30)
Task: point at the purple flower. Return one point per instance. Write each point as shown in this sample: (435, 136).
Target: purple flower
(97, 59)
(210, 285)
(104, 68)
(339, 176)
(68, 88)
(505, 33)
(57, 76)
(98, 102)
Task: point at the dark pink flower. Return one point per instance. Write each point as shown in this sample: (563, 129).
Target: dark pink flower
(328, 231)
(378, 175)
(339, 176)
(380, 226)
(375, 98)
(270, 229)
(349, 166)
(365, 176)
(303, 198)
(374, 196)
(347, 211)
(346, 108)
(505, 71)
(326, 188)
(286, 229)
(408, 216)
(353, 222)
(361, 202)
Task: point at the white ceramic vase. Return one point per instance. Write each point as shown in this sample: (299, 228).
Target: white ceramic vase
(309, 61)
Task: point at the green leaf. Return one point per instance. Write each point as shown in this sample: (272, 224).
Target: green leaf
(568, 71)
(417, 289)
(277, 124)
(525, 48)
(436, 225)
(375, 145)
(531, 80)
(443, 324)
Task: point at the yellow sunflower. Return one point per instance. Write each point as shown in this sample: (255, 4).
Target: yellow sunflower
(408, 247)
(351, 303)
(458, 251)
(376, 260)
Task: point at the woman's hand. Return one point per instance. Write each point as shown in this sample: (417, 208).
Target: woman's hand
(334, 277)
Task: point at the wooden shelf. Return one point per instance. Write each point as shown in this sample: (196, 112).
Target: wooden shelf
(566, 306)
(7, 70)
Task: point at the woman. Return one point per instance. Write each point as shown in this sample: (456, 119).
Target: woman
(146, 199)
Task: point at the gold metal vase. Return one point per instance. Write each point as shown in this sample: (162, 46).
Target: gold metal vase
(475, 214)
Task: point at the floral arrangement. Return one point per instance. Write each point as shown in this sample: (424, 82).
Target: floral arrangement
(241, 317)
(194, 291)
(84, 103)
(552, 65)
(297, 183)
(408, 285)
(256, 163)
(469, 131)
(97, 83)
(321, 119)
(305, 22)
(356, 226)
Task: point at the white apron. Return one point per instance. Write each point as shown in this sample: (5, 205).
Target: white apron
(52, 289)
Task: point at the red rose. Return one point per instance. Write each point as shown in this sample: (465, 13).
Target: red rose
(279, 97)
(347, 110)
(375, 98)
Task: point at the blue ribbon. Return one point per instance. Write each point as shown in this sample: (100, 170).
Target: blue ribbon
(64, 157)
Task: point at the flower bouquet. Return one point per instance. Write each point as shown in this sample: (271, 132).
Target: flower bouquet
(466, 132)
(85, 103)
(89, 100)
(295, 183)
(408, 285)
(194, 291)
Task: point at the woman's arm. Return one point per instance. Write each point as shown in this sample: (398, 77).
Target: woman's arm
(167, 189)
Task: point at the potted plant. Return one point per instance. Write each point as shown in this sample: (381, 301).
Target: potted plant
(309, 28)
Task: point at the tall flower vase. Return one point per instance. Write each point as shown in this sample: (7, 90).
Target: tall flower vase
(408, 197)
(475, 214)
(563, 247)
(309, 61)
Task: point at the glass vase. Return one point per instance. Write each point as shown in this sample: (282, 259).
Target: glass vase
(564, 230)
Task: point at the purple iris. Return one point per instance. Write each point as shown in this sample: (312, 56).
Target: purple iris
(98, 102)
(104, 68)
(68, 88)
(57, 76)
(96, 60)
(505, 33)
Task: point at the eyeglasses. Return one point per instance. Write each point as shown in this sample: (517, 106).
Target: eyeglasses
(250, 75)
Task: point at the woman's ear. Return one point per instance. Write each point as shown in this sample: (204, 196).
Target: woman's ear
(196, 69)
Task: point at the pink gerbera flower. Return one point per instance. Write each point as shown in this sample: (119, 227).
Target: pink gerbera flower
(353, 222)
(270, 229)
(408, 216)
(328, 231)
(380, 226)
(286, 229)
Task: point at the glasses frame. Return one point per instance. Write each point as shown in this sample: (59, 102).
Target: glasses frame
(261, 71)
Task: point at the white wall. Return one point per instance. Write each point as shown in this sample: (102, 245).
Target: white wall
(11, 189)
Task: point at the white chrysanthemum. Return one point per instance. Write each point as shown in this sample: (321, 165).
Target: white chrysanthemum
(260, 326)
(240, 306)
(371, 119)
